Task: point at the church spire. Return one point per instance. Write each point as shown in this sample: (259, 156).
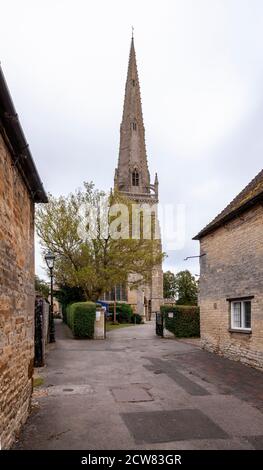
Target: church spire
(132, 174)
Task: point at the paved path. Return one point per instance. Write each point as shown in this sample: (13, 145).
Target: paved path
(135, 390)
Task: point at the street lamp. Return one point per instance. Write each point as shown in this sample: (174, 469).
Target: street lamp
(50, 259)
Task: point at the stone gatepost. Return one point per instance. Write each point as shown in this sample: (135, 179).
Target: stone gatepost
(99, 326)
(167, 333)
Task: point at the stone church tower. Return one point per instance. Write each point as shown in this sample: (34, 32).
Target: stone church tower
(132, 178)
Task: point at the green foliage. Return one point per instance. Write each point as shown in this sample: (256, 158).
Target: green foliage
(186, 288)
(123, 312)
(41, 287)
(185, 322)
(87, 254)
(67, 295)
(136, 318)
(117, 326)
(169, 285)
(37, 381)
(80, 318)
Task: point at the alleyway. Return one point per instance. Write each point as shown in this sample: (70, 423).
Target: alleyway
(135, 390)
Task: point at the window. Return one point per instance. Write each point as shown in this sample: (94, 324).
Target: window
(134, 126)
(118, 292)
(135, 178)
(124, 292)
(121, 293)
(241, 315)
(133, 82)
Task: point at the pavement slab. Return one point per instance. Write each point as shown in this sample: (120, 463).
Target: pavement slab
(135, 390)
(172, 425)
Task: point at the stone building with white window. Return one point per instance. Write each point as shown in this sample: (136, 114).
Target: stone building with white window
(231, 278)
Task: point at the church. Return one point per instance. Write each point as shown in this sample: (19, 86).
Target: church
(132, 179)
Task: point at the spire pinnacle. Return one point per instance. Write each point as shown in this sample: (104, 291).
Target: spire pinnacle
(133, 174)
(132, 32)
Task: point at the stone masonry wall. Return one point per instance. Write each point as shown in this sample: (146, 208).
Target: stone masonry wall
(16, 299)
(232, 268)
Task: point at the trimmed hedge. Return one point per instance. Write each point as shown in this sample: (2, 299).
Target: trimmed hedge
(123, 312)
(185, 322)
(67, 295)
(64, 313)
(80, 319)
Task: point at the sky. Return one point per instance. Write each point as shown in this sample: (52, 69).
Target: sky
(200, 66)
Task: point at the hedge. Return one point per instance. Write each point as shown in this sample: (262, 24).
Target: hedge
(80, 319)
(185, 322)
(64, 313)
(123, 312)
(67, 295)
(136, 318)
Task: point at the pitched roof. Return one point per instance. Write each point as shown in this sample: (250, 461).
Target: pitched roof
(251, 195)
(14, 137)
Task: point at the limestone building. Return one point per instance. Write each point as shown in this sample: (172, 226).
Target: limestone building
(20, 189)
(231, 278)
(132, 179)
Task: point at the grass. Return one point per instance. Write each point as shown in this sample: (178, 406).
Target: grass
(111, 326)
(37, 381)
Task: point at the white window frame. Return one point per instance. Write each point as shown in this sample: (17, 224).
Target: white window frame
(242, 302)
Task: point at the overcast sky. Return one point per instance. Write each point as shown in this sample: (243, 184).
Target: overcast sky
(200, 66)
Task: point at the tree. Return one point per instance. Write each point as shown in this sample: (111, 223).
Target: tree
(169, 286)
(66, 295)
(42, 287)
(186, 288)
(85, 230)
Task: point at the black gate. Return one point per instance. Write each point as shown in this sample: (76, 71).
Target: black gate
(39, 333)
(159, 324)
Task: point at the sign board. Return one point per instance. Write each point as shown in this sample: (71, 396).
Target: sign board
(170, 314)
(97, 315)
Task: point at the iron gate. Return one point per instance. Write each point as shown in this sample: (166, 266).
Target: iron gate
(39, 333)
(159, 324)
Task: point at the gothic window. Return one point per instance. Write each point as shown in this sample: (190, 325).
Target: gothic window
(119, 292)
(133, 82)
(135, 178)
(134, 126)
(124, 292)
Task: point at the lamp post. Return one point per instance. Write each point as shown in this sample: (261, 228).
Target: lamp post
(114, 311)
(50, 259)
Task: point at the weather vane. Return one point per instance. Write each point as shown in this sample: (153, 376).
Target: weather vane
(132, 31)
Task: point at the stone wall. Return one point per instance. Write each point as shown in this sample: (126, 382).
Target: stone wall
(231, 268)
(157, 288)
(139, 298)
(16, 299)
